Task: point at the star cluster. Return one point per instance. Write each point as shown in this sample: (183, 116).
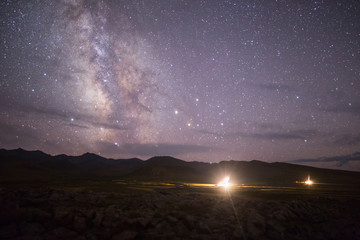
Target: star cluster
(199, 80)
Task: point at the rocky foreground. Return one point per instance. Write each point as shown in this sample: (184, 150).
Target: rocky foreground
(171, 214)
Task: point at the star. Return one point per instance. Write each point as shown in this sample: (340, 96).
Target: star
(231, 79)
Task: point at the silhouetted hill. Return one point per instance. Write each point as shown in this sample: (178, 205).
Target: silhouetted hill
(22, 165)
(167, 168)
(96, 165)
(279, 173)
(165, 161)
(19, 165)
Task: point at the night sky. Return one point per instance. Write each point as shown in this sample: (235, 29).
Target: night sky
(198, 80)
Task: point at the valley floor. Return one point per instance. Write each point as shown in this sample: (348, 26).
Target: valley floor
(140, 211)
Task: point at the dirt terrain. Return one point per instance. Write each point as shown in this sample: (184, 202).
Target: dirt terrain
(166, 211)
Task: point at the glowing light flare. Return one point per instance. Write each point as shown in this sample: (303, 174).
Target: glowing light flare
(308, 181)
(225, 183)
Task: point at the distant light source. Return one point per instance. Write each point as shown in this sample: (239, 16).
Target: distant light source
(225, 183)
(308, 181)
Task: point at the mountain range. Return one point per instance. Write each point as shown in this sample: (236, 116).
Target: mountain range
(20, 165)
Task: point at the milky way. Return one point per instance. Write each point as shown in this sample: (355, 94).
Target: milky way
(198, 80)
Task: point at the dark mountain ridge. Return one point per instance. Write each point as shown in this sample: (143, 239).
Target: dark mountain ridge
(22, 165)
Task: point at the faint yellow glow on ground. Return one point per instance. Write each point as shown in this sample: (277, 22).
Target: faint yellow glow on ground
(200, 185)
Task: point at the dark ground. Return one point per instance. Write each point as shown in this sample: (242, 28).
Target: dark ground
(146, 210)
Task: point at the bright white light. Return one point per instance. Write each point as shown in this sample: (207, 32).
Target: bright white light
(308, 181)
(176, 112)
(225, 183)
